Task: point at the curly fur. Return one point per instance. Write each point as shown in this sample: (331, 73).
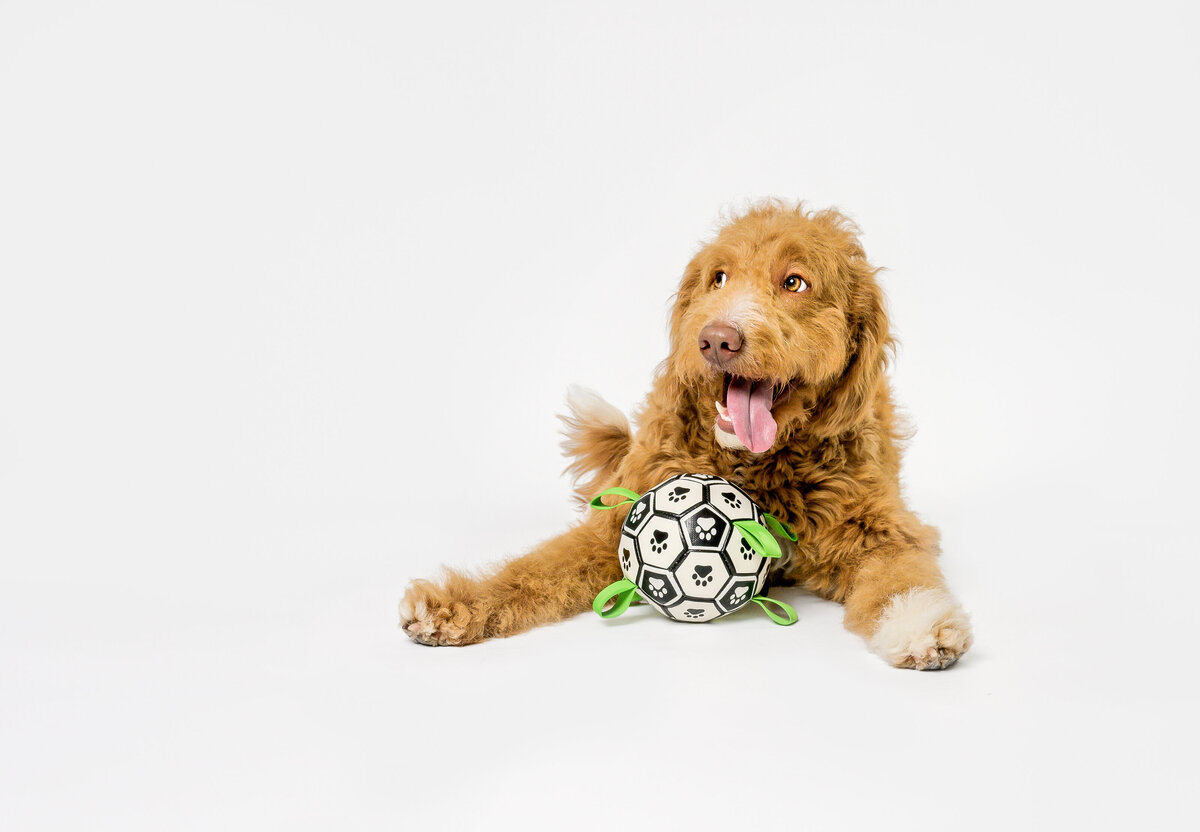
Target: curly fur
(832, 472)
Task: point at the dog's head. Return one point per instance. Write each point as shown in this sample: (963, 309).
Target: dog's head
(779, 326)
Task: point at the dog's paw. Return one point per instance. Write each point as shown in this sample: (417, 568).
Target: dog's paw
(431, 615)
(922, 628)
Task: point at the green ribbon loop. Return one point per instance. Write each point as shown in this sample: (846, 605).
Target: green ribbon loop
(623, 590)
(789, 615)
(779, 527)
(759, 538)
(596, 502)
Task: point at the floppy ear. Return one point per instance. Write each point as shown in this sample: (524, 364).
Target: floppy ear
(848, 402)
(683, 298)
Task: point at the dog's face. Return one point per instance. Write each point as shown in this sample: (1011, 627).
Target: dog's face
(780, 326)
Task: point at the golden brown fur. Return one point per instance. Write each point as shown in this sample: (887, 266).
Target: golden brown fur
(832, 472)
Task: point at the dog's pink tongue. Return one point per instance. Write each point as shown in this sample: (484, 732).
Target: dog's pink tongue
(749, 405)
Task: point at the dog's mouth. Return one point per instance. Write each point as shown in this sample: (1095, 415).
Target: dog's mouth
(745, 410)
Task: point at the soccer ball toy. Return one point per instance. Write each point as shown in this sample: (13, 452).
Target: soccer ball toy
(694, 547)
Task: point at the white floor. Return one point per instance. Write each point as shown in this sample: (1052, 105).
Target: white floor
(237, 698)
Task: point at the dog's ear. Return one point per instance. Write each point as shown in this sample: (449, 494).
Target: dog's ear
(683, 298)
(849, 400)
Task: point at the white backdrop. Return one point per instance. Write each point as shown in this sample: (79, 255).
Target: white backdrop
(290, 297)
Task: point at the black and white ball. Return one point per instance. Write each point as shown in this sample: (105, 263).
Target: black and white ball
(680, 548)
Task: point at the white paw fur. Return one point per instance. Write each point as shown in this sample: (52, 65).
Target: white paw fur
(415, 620)
(421, 626)
(428, 626)
(922, 628)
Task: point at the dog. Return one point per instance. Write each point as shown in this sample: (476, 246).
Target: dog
(775, 380)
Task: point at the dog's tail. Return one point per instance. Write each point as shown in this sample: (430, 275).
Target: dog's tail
(598, 437)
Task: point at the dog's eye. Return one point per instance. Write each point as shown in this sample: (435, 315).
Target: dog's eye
(719, 279)
(794, 283)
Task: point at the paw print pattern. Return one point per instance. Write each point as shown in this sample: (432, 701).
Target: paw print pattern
(731, 499)
(746, 550)
(676, 494)
(635, 515)
(702, 575)
(706, 528)
(737, 596)
(692, 612)
(657, 587)
(658, 541)
(626, 557)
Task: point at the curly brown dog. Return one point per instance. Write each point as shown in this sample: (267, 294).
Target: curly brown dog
(775, 381)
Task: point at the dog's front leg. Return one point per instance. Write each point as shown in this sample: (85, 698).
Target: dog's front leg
(897, 600)
(555, 581)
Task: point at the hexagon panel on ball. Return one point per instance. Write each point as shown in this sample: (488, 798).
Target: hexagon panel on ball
(639, 512)
(733, 501)
(702, 574)
(745, 560)
(676, 498)
(694, 611)
(659, 586)
(630, 561)
(660, 542)
(705, 528)
(737, 593)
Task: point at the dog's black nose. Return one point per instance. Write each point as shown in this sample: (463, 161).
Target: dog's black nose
(719, 343)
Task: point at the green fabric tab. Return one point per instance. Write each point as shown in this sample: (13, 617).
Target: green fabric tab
(779, 527)
(596, 502)
(623, 590)
(759, 538)
(789, 616)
